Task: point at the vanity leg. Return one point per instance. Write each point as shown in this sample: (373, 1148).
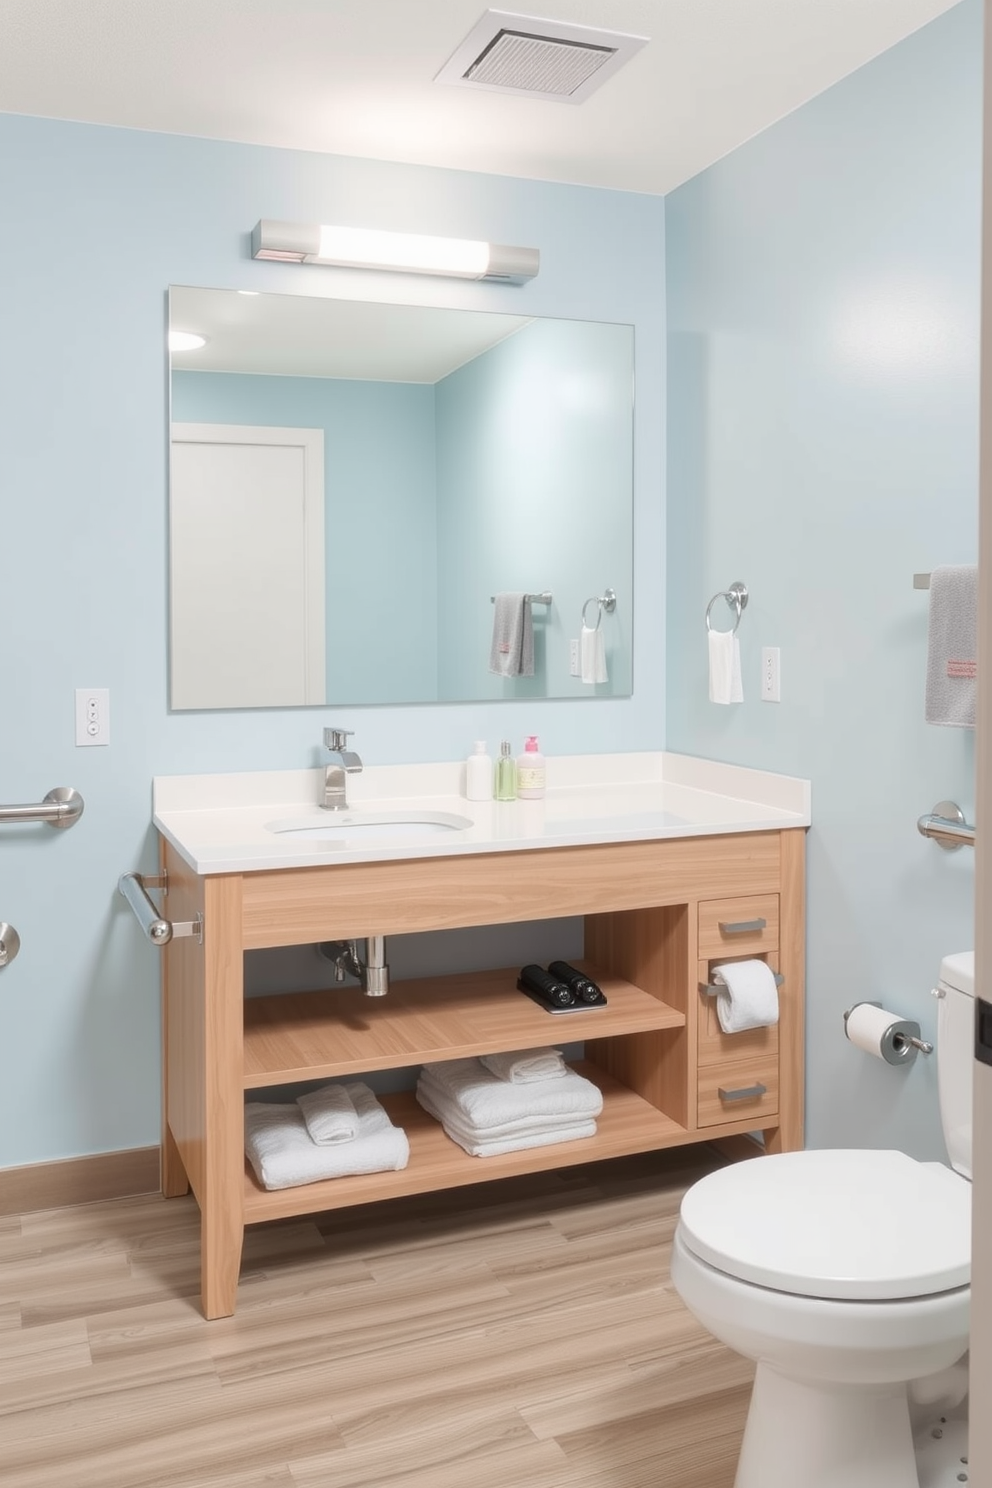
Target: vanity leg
(221, 1240)
(175, 1182)
(788, 1135)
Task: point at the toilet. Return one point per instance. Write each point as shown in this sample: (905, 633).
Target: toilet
(845, 1275)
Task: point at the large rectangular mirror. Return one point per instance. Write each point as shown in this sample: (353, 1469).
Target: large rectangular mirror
(352, 485)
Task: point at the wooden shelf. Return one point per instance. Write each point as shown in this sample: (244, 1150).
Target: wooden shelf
(627, 1124)
(339, 1031)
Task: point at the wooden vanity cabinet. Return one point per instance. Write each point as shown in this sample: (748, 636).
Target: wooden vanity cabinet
(653, 915)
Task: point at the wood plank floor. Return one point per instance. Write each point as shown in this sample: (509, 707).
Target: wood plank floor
(516, 1334)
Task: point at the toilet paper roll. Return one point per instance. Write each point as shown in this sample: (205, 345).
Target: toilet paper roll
(881, 1033)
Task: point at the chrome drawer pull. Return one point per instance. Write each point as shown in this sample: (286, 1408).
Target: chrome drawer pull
(741, 927)
(745, 1092)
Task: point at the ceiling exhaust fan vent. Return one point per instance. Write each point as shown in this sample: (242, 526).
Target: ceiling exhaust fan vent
(508, 53)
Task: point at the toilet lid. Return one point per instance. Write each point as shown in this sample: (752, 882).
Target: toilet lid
(844, 1224)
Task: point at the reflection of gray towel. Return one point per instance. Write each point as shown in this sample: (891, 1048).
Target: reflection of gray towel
(512, 650)
(952, 646)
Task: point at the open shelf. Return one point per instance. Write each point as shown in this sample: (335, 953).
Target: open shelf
(626, 1124)
(339, 1031)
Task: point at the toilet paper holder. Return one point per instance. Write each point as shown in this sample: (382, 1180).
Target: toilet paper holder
(901, 1042)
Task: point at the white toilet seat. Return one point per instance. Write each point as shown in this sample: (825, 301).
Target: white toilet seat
(847, 1225)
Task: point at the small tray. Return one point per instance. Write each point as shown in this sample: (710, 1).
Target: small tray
(577, 1007)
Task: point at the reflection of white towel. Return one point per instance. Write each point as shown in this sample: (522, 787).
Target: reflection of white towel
(952, 640)
(280, 1150)
(515, 1137)
(524, 1066)
(592, 655)
(725, 667)
(484, 1101)
(748, 996)
(512, 651)
(330, 1114)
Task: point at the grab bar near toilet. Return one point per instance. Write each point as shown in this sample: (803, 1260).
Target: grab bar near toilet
(947, 826)
(134, 888)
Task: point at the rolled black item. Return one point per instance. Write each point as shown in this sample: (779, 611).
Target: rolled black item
(535, 979)
(584, 987)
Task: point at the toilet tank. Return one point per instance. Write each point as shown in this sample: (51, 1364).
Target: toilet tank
(956, 1054)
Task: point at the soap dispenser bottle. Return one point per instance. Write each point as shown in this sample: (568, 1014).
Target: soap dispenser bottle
(506, 774)
(531, 775)
(479, 774)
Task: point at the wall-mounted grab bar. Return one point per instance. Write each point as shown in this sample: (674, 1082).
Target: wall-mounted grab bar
(134, 888)
(947, 826)
(61, 808)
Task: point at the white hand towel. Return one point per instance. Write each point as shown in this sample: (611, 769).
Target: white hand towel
(511, 653)
(280, 1150)
(330, 1114)
(524, 1066)
(440, 1104)
(725, 667)
(592, 655)
(748, 996)
(541, 1134)
(484, 1101)
(952, 640)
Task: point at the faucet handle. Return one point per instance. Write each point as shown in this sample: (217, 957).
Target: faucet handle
(335, 738)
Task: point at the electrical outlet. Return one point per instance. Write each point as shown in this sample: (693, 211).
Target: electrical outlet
(574, 662)
(771, 677)
(92, 715)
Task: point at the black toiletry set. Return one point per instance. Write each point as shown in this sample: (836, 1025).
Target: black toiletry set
(560, 989)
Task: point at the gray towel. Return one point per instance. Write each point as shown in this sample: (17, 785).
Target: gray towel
(512, 650)
(952, 644)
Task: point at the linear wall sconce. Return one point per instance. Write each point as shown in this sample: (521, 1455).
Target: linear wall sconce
(405, 253)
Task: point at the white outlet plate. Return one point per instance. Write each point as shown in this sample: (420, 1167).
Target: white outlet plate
(92, 716)
(574, 661)
(771, 675)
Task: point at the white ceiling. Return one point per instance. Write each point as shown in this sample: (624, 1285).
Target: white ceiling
(356, 77)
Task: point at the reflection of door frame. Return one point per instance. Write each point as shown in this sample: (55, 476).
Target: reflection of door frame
(311, 442)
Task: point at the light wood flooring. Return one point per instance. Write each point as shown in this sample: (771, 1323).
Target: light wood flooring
(516, 1334)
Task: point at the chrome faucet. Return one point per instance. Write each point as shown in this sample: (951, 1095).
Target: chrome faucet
(344, 762)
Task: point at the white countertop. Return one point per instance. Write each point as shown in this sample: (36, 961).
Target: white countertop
(225, 823)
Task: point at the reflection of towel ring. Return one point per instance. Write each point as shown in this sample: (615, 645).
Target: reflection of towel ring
(607, 601)
(736, 597)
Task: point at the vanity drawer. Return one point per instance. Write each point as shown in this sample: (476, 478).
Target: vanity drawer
(737, 1090)
(738, 927)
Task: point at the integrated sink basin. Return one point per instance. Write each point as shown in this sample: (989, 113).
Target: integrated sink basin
(370, 826)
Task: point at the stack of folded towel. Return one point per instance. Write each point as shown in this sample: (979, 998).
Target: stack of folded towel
(332, 1132)
(506, 1102)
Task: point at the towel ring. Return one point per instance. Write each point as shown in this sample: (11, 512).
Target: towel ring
(736, 597)
(607, 601)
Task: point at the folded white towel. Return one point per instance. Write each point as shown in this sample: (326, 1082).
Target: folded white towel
(748, 996)
(330, 1114)
(485, 1101)
(725, 667)
(524, 1066)
(543, 1132)
(511, 653)
(952, 641)
(280, 1150)
(592, 655)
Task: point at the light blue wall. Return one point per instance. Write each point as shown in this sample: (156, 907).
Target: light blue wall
(105, 221)
(373, 486)
(534, 493)
(823, 288)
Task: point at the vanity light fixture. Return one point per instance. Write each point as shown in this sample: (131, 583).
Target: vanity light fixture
(405, 253)
(186, 341)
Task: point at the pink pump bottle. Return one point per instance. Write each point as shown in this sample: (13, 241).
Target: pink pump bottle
(531, 774)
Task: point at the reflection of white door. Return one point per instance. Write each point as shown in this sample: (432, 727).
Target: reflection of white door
(247, 566)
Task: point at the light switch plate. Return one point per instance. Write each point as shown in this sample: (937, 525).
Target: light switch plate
(92, 716)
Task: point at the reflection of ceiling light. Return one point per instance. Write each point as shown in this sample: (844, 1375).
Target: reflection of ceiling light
(248, 291)
(186, 341)
(409, 253)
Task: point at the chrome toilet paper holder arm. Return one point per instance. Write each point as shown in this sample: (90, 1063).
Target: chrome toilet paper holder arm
(901, 1041)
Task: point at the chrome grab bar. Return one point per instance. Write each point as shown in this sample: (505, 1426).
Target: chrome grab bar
(947, 826)
(61, 808)
(134, 888)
